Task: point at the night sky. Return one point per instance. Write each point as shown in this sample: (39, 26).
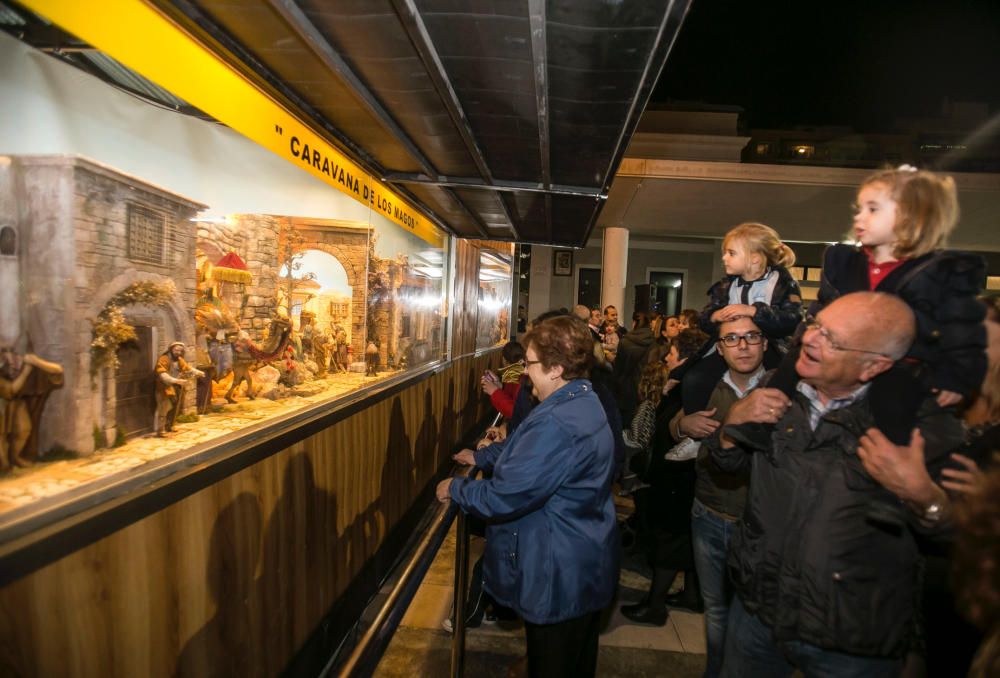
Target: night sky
(859, 64)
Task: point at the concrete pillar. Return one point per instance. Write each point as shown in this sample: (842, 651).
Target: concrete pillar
(614, 269)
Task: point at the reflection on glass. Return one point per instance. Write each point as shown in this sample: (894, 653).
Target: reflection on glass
(406, 305)
(495, 270)
(158, 297)
(184, 329)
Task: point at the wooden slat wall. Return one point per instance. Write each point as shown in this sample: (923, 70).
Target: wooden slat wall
(233, 579)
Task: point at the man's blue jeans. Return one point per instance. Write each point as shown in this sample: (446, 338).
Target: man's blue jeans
(751, 652)
(710, 535)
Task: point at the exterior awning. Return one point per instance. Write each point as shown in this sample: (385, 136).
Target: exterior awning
(500, 120)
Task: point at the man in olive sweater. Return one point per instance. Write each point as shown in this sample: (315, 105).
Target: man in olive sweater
(720, 496)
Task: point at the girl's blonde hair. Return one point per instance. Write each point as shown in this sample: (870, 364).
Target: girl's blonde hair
(926, 208)
(763, 240)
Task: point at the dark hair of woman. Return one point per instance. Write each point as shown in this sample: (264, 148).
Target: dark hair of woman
(641, 319)
(565, 341)
(688, 342)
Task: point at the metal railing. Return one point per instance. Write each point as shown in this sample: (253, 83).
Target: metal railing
(368, 652)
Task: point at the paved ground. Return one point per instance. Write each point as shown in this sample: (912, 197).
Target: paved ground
(421, 647)
(21, 487)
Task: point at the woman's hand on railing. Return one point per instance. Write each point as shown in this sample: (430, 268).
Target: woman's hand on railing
(465, 457)
(442, 490)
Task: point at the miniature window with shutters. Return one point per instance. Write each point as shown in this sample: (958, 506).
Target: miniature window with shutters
(146, 232)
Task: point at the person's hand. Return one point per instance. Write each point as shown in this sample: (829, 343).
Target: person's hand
(898, 468)
(733, 311)
(762, 406)
(669, 385)
(442, 491)
(489, 387)
(465, 457)
(698, 425)
(497, 433)
(948, 398)
(963, 482)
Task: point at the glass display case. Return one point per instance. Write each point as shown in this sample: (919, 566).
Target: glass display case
(168, 284)
(495, 284)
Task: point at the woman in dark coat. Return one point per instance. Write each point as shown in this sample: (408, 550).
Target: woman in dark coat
(664, 508)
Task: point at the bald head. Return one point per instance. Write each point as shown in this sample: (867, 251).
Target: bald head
(582, 312)
(878, 322)
(854, 339)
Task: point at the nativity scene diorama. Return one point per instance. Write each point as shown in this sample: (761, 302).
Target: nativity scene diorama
(129, 322)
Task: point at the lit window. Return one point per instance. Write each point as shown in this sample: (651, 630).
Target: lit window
(803, 151)
(763, 149)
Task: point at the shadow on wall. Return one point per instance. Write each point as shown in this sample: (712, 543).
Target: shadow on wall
(262, 620)
(473, 399)
(426, 445)
(234, 550)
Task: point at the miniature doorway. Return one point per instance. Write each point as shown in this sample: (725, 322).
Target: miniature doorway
(135, 384)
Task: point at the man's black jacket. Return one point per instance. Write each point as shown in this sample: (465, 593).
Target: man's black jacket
(805, 558)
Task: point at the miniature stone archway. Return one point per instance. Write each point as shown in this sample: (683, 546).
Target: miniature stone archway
(173, 321)
(347, 242)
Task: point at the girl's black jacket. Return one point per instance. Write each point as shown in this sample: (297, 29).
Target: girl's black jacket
(777, 320)
(941, 288)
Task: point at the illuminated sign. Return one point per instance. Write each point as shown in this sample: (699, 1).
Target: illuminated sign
(146, 41)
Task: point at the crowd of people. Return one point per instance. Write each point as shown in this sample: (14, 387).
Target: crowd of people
(821, 474)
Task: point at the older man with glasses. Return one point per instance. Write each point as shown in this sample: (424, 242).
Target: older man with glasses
(822, 585)
(719, 496)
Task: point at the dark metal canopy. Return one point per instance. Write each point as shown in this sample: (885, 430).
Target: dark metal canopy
(504, 119)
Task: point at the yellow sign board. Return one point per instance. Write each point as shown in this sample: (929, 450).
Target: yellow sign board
(145, 40)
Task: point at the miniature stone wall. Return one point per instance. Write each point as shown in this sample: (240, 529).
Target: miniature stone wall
(255, 238)
(74, 256)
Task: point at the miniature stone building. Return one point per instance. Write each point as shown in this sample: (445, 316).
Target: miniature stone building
(85, 233)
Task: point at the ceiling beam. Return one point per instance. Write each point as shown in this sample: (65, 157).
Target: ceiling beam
(539, 56)
(480, 224)
(500, 186)
(413, 23)
(321, 47)
(666, 35)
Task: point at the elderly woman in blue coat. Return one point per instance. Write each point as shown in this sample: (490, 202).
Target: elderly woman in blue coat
(551, 542)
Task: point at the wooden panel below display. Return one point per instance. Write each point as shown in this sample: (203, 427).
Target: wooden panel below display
(233, 579)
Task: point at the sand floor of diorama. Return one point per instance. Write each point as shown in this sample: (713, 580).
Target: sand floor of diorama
(23, 486)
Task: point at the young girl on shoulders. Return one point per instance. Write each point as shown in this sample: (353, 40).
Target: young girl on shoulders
(901, 221)
(757, 285)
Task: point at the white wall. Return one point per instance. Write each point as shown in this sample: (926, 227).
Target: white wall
(699, 258)
(48, 107)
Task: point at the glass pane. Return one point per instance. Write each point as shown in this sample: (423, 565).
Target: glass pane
(495, 271)
(166, 284)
